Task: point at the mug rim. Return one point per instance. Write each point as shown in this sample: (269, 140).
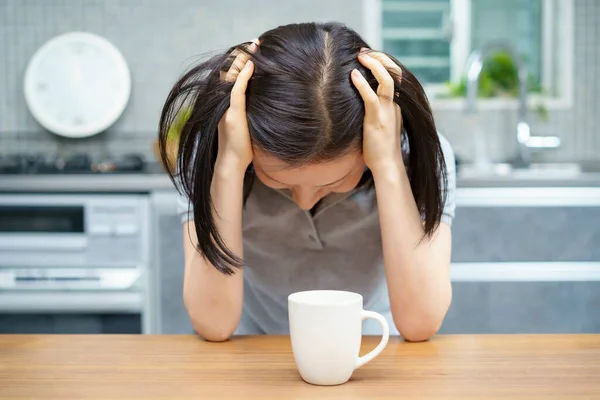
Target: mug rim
(303, 297)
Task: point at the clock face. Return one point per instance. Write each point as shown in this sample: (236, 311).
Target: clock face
(77, 84)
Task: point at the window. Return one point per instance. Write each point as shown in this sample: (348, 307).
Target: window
(518, 22)
(418, 34)
(433, 38)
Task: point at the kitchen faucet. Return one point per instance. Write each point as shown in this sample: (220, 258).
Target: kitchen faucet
(525, 141)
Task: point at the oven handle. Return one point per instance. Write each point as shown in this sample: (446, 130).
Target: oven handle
(76, 279)
(71, 302)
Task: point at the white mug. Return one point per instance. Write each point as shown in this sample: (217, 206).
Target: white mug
(326, 331)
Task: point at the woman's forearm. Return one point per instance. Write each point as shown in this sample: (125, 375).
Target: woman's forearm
(417, 268)
(214, 300)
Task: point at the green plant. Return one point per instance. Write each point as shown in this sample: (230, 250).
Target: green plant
(499, 78)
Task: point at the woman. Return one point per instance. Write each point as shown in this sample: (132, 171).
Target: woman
(314, 163)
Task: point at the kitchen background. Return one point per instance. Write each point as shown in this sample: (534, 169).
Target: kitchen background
(526, 241)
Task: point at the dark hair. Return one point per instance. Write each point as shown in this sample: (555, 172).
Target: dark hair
(302, 108)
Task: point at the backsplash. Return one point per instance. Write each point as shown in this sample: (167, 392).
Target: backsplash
(159, 39)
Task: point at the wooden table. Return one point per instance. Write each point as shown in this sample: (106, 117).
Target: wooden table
(185, 367)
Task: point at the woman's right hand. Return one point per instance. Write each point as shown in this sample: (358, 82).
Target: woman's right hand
(235, 146)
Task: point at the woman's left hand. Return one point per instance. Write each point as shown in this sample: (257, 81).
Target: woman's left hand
(383, 119)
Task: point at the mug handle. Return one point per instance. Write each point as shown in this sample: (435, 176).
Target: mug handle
(384, 339)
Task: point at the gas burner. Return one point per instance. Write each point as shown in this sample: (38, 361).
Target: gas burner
(81, 163)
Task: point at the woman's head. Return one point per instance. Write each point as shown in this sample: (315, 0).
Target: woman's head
(302, 107)
(305, 119)
(304, 114)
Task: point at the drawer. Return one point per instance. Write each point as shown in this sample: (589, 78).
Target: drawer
(524, 307)
(516, 233)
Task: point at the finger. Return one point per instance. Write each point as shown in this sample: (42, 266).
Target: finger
(368, 95)
(387, 62)
(386, 83)
(239, 62)
(236, 66)
(238, 92)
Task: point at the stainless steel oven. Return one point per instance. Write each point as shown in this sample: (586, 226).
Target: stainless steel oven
(73, 263)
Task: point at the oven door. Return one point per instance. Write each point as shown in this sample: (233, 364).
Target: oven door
(73, 231)
(70, 323)
(41, 227)
(69, 301)
(64, 269)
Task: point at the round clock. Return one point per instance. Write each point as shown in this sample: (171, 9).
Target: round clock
(77, 85)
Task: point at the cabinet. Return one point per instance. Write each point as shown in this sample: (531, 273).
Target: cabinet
(526, 261)
(168, 312)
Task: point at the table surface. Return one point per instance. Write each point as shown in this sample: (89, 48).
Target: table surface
(262, 367)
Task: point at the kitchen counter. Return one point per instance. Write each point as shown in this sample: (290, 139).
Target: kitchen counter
(262, 367)
(155, 180)
(152, 179)
(97, 183)
(583, 180)
(583, 174)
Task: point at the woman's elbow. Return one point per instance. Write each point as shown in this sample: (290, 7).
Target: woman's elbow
(210, 326)
(422, 330)
(212, 333)
(419, 334)
(427, 324)
(215, 336)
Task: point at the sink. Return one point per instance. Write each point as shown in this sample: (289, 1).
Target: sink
(534, 171)
(548, 170)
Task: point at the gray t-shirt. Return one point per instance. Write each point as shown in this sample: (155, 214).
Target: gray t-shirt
(338, 246)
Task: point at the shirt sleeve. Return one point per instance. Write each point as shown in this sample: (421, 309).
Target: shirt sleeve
(450, 203)
(185, 209)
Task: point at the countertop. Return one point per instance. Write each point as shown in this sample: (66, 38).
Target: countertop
(262, 367)
(583, 180)
(152, 179)
(97, 183)
(155, 179)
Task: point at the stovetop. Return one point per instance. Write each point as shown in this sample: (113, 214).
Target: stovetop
(81, 163)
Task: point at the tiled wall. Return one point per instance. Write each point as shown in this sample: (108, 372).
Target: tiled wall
(159, 38)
